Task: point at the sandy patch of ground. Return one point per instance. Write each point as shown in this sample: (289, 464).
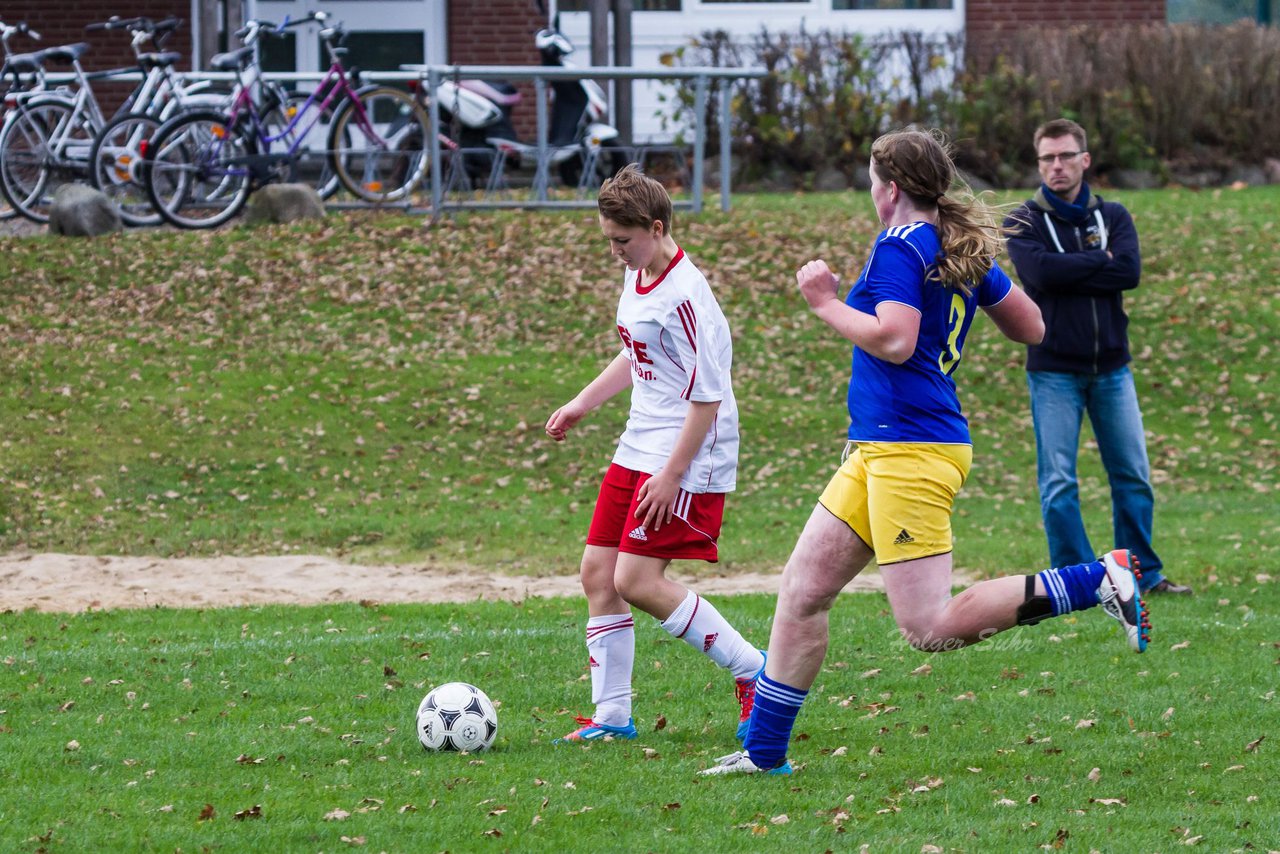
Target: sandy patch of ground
(58, 582)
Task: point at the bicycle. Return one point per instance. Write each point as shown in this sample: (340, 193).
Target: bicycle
(12, 79)
(115, 157)
(49, 135)
(201, 168)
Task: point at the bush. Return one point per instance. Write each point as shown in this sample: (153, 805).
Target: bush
(1157, 97)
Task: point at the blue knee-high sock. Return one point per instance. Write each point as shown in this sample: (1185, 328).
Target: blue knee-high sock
(772, 718)
(1073, 588)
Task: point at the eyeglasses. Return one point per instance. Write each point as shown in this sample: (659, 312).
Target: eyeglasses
(1065, 157)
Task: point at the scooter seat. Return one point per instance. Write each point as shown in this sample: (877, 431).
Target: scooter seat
(500, 93)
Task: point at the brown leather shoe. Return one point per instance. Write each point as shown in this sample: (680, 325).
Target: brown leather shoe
(1167, 586)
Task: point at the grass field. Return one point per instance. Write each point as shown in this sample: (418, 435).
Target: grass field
(371, 388)
(152, 730)
(374, 389)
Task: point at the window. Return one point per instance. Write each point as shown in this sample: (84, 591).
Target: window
(1221, 11)
(844, 5)
(382, 50)
(280, 54)
(636, 5)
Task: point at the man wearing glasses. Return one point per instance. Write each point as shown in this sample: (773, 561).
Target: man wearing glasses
(1076, 256)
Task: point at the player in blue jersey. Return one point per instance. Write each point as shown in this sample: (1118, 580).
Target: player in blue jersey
(909, 450)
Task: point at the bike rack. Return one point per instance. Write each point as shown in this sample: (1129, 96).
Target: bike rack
(442, 182)
(702, 76)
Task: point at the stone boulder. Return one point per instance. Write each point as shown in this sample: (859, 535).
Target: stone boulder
(285, 203)
(79, 210)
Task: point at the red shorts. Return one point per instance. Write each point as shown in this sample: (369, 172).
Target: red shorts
(691, 533)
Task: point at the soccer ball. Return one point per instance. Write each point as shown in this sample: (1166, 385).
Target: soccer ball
(456, 716)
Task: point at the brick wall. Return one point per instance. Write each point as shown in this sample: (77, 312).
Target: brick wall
(64, 22)
(985, 19)
(498, 32)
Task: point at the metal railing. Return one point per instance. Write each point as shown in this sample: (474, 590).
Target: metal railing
(433, 75)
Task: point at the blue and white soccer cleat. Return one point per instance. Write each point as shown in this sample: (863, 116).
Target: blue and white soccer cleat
(589, 730)
(1119, 597)
(745, 690)
(740, 763)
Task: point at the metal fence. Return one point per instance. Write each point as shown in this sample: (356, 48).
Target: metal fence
(431, 76)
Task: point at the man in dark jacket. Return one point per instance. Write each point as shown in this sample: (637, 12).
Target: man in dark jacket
(1076, 255)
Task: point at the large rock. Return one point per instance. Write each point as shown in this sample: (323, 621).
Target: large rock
(285, 203)
(79, 210)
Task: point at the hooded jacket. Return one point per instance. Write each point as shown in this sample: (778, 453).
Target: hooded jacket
(1079, 288)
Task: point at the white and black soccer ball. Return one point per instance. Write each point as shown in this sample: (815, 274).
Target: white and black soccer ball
(457, 716)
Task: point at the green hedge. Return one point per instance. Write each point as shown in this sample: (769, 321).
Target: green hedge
(1165, 98)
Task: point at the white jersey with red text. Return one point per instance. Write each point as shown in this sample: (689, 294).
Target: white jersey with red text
(678, 341)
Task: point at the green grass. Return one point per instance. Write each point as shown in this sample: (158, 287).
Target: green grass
(299, 712)
(374, 389)
(371, 388)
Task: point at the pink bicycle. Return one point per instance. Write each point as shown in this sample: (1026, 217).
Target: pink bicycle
(201, 167)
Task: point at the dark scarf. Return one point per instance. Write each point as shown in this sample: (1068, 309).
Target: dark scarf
(1077, 213)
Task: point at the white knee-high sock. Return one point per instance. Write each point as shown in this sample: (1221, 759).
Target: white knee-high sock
(696, 622)
(611, 648)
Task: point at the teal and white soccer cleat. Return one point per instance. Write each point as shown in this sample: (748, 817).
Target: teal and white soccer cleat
(589, 730)
(745, 690)
(1119, 596)
(740, 763)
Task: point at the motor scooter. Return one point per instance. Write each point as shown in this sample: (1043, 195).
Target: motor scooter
(476, 116)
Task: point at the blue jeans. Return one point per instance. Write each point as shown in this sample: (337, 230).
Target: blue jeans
(1058, 403)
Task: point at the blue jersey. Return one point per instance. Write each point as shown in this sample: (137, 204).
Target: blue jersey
(915, 401)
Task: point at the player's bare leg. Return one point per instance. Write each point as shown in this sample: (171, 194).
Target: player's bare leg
(931, 619)
(827, 557)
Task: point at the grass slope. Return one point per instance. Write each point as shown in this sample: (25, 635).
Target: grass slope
(372, 388)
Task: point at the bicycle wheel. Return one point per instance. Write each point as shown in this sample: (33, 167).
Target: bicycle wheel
(115, 166)
(197, 170)
(45, 145)
(377, 145)
(314, 163)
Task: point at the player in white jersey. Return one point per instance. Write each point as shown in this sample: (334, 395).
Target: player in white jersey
(663, 496)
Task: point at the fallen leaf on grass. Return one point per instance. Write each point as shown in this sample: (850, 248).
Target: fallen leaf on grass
(660, 723)
(1253, 745)
(493, 832)
(254, 811)
(779, 819)
(1182, 645)
(1109, 802)
(1095, 775)
(1005, 802)
(337, 815)
(353, 840)
(675, 805)
(922, 670)
(1086, 723)
(207, 813)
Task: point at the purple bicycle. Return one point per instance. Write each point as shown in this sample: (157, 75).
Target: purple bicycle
(201, 167)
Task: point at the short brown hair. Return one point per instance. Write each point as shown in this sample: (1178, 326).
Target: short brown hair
(1059, 128)
(634, 200)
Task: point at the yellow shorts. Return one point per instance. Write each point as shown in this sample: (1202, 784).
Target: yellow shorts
(898, 496)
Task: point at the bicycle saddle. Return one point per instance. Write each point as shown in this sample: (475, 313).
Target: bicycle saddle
(158, 60)
(231, 60)
(62, 53)
(23, 63)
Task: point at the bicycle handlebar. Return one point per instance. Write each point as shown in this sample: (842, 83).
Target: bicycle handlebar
(20, 28)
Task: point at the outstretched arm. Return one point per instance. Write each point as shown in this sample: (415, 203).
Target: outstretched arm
(889, 334)
(611, 380)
